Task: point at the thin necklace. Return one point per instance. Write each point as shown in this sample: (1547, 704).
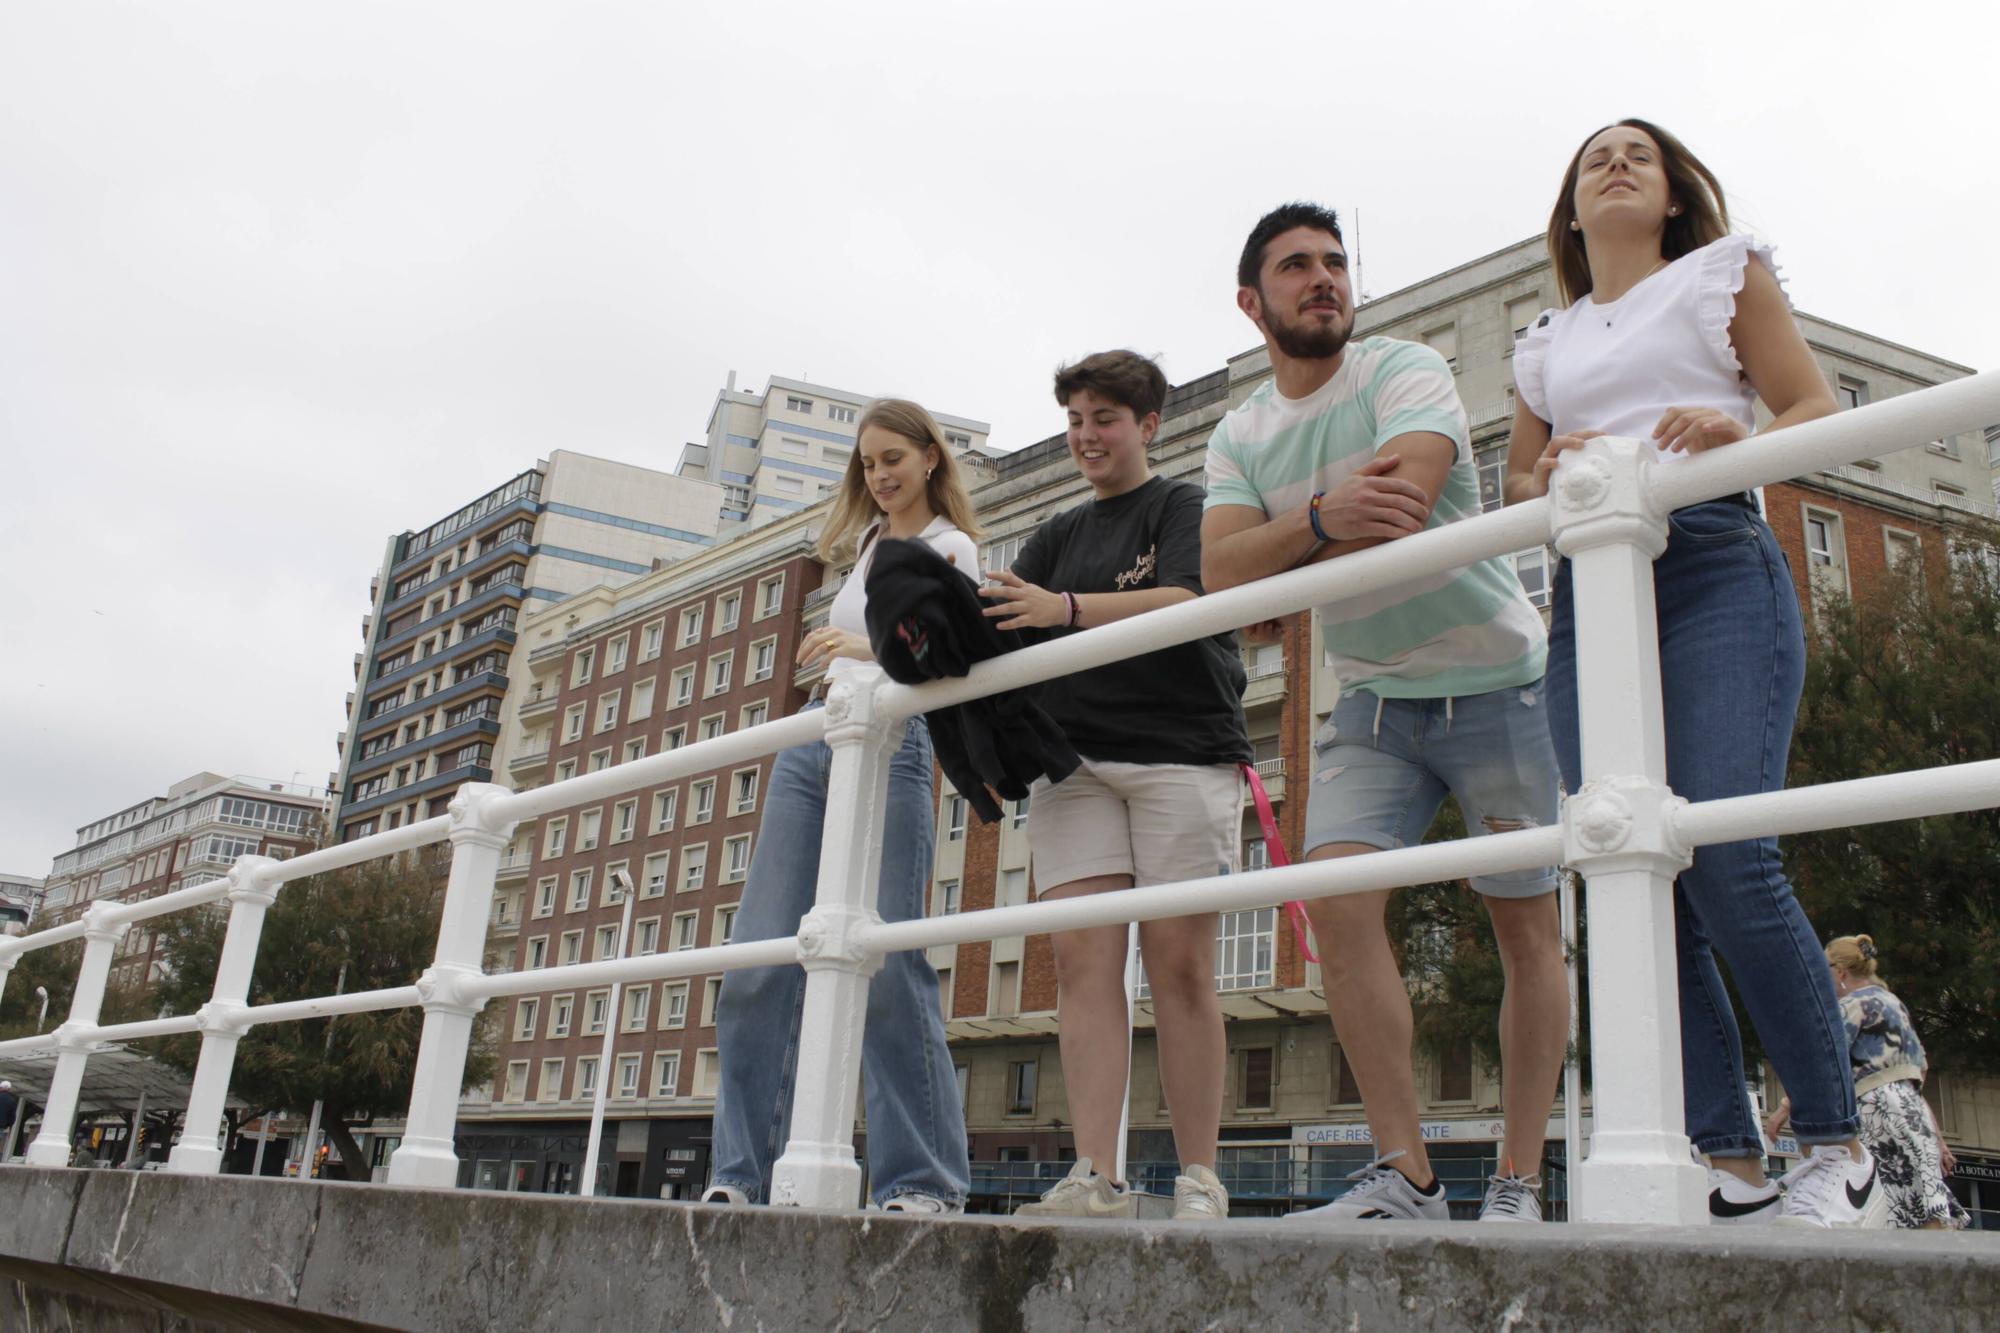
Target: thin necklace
(1628, 291)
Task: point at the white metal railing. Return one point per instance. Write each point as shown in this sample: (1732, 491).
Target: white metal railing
(1624, 831)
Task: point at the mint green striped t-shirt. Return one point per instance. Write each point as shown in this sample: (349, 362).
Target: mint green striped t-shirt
(1465, 631)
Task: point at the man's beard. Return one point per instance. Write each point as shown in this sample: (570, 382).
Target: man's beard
(1311, 342)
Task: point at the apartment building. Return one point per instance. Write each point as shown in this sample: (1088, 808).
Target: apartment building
(697, 650)
(20, 899)
(433, 677)
(779, 451)
(190, 835)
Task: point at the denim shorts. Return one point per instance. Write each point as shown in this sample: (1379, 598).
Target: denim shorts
(1382, 768)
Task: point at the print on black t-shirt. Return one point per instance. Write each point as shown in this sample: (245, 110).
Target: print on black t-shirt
(1180, 705)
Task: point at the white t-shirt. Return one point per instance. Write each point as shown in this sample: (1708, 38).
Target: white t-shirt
(850, 604)
(1618, 366)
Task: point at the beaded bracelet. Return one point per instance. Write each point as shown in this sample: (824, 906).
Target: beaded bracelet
(1312, 513)
(1075, 609)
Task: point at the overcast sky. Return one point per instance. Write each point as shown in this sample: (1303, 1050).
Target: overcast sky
(279, 280)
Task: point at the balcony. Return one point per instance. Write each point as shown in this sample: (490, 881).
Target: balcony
(541, 701)
(418, 707)
(1266, 687)
(532, 755)
(514, 865)
(354, 810)
(497, 636)
(1272, 771)
(519, 550)
(496, 595)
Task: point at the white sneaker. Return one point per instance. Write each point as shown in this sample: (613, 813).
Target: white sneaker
(727, 1195)
(1512, 1198)
(1383, 1194)
(1082, 1193)
(922, 1203)
(1199, 1196)
(1832, 1189)
(1733, 1202)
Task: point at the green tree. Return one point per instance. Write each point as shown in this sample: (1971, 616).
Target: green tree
(1900, 680)
(376, 921)
(55, 969)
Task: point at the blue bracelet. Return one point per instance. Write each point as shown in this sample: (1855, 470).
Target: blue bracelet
(1312, 513)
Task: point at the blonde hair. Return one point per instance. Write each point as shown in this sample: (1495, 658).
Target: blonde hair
(1854, 955)
(854, 506)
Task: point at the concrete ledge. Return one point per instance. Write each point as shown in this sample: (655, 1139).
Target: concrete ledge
(235, 1252)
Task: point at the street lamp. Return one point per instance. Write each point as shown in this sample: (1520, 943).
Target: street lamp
(621, 885)
(42, 991)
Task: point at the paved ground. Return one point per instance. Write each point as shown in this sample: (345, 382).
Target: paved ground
(114, 1250)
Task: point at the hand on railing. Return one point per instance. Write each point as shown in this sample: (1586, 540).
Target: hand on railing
(1545, 466)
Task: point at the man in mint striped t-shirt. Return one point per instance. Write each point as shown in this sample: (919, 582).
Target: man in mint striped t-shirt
(1348, 445)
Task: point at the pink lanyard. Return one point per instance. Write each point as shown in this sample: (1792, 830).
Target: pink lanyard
(1274, 847)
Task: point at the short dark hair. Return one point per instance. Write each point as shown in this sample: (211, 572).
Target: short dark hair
(1276, 223)
(1123, 377)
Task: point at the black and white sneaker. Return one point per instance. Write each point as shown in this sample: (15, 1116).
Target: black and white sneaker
(1382, 1194)
(1512, 1198)
(1737, 1203)
(1832, 1188)
(726, 1195)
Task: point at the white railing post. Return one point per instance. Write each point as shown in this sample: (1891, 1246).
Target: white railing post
(818, 1169)
(1618, 833)
(478, 835)
(251, 893)
(75, 1038)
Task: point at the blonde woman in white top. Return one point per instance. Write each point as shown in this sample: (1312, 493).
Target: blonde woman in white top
(1675, 327)
(901, 481)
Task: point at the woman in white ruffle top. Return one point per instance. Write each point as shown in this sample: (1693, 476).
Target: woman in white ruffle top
(1675, 327)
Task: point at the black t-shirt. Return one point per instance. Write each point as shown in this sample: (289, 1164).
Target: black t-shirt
(1180, 705)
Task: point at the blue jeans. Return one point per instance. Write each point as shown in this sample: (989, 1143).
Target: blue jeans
(916, 1127)
(1732, 665)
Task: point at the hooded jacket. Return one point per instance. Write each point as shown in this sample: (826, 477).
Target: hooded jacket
(925, 622)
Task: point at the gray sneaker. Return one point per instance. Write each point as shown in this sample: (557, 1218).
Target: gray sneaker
(1200, 1197)
(1512, 1199)
(1382, 1194)
(1082, 1193)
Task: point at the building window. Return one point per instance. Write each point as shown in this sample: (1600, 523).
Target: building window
(642, 699)
(1444, 341)
(650, 639)
(628, 1076)
(526, 1013)
(579, 889)
(664, 805)
(1521, 312)
(686, 927)
(728, 611)
(1012, 889)
(1020, 813)
(1256, 1073)
(763, 660)
(1245, 946)
(1006, 990)
(634, 749)
(538, 953)
(707, 1071)
(572, 947)
(673, 738)
(596, 1011)
(558, 831)
(735, 858)
(1532, 567)
(638, 1001)
(560, 1015)
(770, 596)
(573, 723)
(667, 1074)
(743, 791)
(624, 820)
(1021, 1087)
(691, 626)
(1455, 1073)
(844, 415)
(720, 669)
(793, 403)
(683, 686)
(606, 945)
(711, 995)
(580, 666)
(725, 925)
(545, 896)
(702, 801)
(589, 825)
(1344, 1089)
(654, 881)
(1900, 549)
(754, 715)
(649, 935)
(586, 1077)
(954, 817)
(947, 897)
(674, 1008)
(1849, 392)
(607, 711)
(694, 867)
(551, 1084)
(1826, 552)
(599, 761)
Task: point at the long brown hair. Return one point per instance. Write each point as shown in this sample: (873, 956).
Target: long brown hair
(854, 507)
(1704, 215)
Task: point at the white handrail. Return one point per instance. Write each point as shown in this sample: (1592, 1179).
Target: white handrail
(1625, 831)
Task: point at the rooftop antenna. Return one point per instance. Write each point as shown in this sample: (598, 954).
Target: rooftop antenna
(1360, 283)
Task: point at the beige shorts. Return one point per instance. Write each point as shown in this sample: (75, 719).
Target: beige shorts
(1159, 823)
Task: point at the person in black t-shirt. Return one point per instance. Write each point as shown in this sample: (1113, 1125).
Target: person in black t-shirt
(1158, 798)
